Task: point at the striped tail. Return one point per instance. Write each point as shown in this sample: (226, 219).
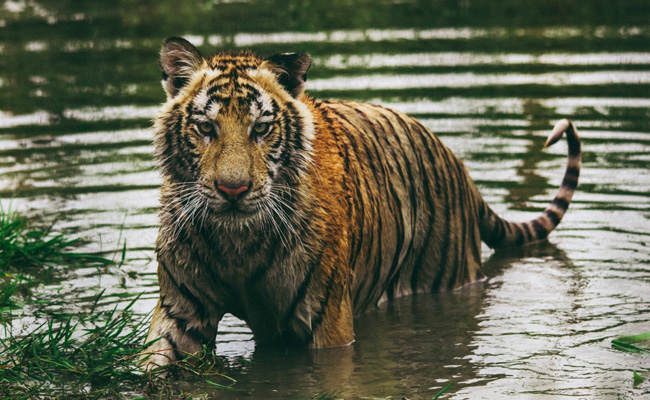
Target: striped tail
(497, 232)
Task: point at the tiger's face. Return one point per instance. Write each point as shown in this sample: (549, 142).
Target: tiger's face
(233, 136)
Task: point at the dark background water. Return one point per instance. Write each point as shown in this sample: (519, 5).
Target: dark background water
(79, 84)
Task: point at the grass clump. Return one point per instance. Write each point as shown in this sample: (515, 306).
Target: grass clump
(89, 355)
(24, 249)
(94, 356)
(27, 253)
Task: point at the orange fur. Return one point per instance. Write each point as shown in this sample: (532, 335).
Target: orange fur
(336, 206)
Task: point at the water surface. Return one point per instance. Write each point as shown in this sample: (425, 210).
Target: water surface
(79, 85)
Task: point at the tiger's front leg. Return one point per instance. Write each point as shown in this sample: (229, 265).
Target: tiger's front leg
(179, 326)
(172, 340)
(332, 324)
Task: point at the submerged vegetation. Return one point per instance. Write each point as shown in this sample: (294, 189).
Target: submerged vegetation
(634, 344)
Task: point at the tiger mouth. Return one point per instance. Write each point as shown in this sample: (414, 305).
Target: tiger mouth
(238, 211)
(243, 208)
(233, 208)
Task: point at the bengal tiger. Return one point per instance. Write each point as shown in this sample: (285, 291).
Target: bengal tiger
(296, 214)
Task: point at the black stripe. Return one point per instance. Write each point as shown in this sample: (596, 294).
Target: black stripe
(574, 146)
(279, 140)
(194, 333)
(458, 241)
(461, 266)
(409, 187)
(367, 242)
(358, 184)
(476, 244)
(199, 309)
(375, 263)
(519, 240)
(170, 166)
(570, 182)
(411, 180)
(287, 150)
(553, 216)
(446, 232)
(498, 231)
(181, 157)
(390, 200)
(302, 289)
(177, 354)
(188, 143)
(166, 270)
(560, 203)
(318, 318)
(189, 110)
(400, 159)
(573, 171)
(540, 231)
(431, 202)
(198, 306)
(444, 249)
(298, 127)
(527, 231)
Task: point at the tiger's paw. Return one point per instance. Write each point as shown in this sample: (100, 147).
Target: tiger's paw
(156, 357)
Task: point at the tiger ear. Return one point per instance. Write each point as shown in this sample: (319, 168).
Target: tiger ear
(178, 60)
(291, 71)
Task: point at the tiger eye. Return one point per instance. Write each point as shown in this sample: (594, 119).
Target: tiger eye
(205, 128)
(261, 128)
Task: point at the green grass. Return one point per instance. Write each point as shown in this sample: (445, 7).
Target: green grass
(26, 253)
(443, 390)
(8, 287)
(92, 354)
(25, 249)
(638, 379)
(324, 396)
(633, 343)
(87, 355)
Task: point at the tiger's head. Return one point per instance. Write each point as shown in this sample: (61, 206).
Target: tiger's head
(234, 135)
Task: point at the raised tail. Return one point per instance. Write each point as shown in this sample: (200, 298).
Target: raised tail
(497, 232)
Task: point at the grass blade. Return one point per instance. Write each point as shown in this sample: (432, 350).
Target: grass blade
(443, 390)
(628, 343)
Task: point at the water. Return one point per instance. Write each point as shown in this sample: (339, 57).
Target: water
(79, 85)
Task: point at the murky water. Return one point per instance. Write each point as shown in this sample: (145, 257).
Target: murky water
(79, 85)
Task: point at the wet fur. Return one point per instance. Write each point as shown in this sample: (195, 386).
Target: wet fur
(350, 204)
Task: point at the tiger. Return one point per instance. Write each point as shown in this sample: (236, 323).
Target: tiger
(295, 214)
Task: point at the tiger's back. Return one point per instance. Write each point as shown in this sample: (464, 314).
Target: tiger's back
(415, 206)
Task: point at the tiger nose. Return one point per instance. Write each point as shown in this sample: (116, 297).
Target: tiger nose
(232, 192)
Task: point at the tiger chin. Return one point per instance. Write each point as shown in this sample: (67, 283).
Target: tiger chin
(296, 214)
